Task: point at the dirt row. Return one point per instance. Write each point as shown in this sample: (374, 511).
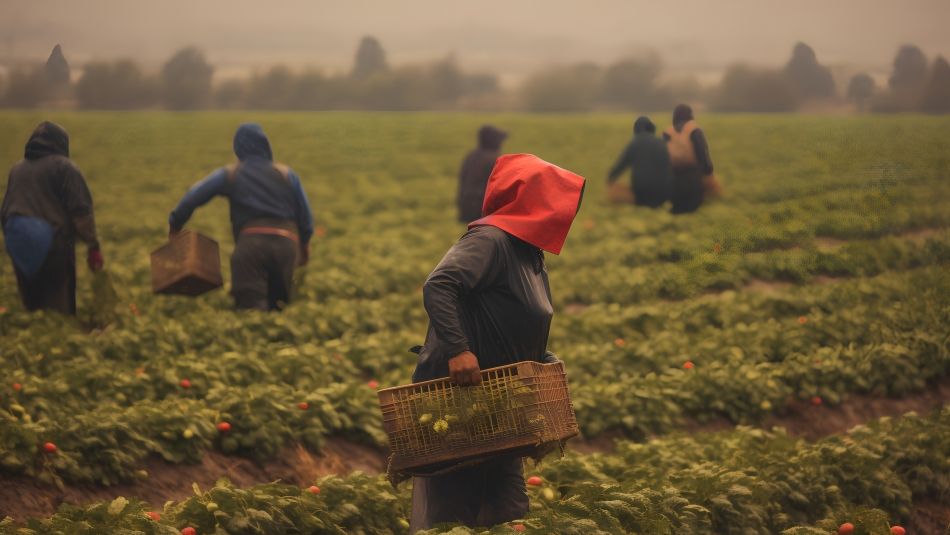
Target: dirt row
(23, 497)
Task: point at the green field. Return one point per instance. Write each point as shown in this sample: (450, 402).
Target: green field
(822, 278)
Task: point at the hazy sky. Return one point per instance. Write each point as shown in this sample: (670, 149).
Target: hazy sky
(507, 36)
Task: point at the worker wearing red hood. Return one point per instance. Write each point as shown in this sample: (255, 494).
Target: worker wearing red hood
(489, 304)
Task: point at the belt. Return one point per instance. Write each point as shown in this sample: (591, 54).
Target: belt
(271, 231)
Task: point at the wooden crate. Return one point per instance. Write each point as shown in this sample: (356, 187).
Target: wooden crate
(189, 264)
(522, 409)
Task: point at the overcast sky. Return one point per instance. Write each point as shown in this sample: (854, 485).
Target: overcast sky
(507, 36)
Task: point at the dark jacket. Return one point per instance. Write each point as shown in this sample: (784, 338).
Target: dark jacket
(476, 168)
(46, 184)
(489, 295)
(257, 188)
(649, 162)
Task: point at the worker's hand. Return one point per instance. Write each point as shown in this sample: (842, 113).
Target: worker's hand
(94, 259)
(463, 369)
(304, 255)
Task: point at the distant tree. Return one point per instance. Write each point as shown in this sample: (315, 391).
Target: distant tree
(272, 90)
(370, 59)
(573, 88)
(230, 94)
(118, 85)
(910, 70)
(444, 81)
(861, 88)
(26, 87)
(631, 84)
(755, 90)
(479, 84)
(936, 97)
(57, 69)
(809, 78)
(186, 80)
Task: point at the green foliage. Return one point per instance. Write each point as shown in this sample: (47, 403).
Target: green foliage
(841, 222)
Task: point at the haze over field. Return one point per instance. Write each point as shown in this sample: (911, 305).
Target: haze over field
(505, 37)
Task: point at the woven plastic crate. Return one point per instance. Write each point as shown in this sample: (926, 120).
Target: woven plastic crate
(189, 264)
(522, 409)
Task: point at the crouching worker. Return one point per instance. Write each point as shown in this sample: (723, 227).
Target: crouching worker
(489, 304)
(46, 207)
(270, 219)
(649, 163)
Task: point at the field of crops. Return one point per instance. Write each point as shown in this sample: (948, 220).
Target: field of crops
(819, 286)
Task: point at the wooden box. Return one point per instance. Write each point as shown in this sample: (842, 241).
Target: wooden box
(189, 264)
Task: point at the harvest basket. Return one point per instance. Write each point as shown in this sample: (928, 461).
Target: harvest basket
(189, 264)
(522, 409)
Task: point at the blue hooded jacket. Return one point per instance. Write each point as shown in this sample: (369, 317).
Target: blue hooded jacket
(256, 189)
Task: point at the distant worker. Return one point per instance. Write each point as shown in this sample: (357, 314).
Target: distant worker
(270, 219)
(46, 207)
(489, 304)
(475, 171)
(649, 162)
(689, 157)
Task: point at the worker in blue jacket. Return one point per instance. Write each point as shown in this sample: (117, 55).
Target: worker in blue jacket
(270, 219)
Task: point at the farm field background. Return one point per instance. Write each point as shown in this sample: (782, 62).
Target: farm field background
(815, 296)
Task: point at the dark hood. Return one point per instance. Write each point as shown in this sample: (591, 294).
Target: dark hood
(643, 125)
(490, 137)
(681, 115)
(250, 141)
(48, 139)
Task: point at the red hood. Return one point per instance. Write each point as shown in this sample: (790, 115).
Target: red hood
(531, 199)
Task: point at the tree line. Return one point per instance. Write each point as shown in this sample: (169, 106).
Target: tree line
(185, 82)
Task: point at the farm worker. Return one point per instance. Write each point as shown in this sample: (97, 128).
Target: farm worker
(475, 170)
(489, 304)
(270, 219)
(649, 162)
(692, 165)
(46, 207)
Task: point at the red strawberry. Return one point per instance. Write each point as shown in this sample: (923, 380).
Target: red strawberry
(717, 247)
(518, 527)
(3, 310)
(303, 405)
(802, 320)
(17, 386)
(373, 383)
(620, 342)
(134, 309)
(153, 515)
(224, 427)
(816, 400)
(320, 231)
(49, 447)
(314, 489)
(188, 531)
(846, 529)
(535, 481)
(185, 383)
(689, 365)
(897, 530)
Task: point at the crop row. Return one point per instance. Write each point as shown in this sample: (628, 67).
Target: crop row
(743, 481)
(749, 354)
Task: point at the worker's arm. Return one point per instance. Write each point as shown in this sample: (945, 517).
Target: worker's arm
(624, 161)
(78, 202)
(471, 265)
(214, 184)
(304, 215)
(701, 147)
